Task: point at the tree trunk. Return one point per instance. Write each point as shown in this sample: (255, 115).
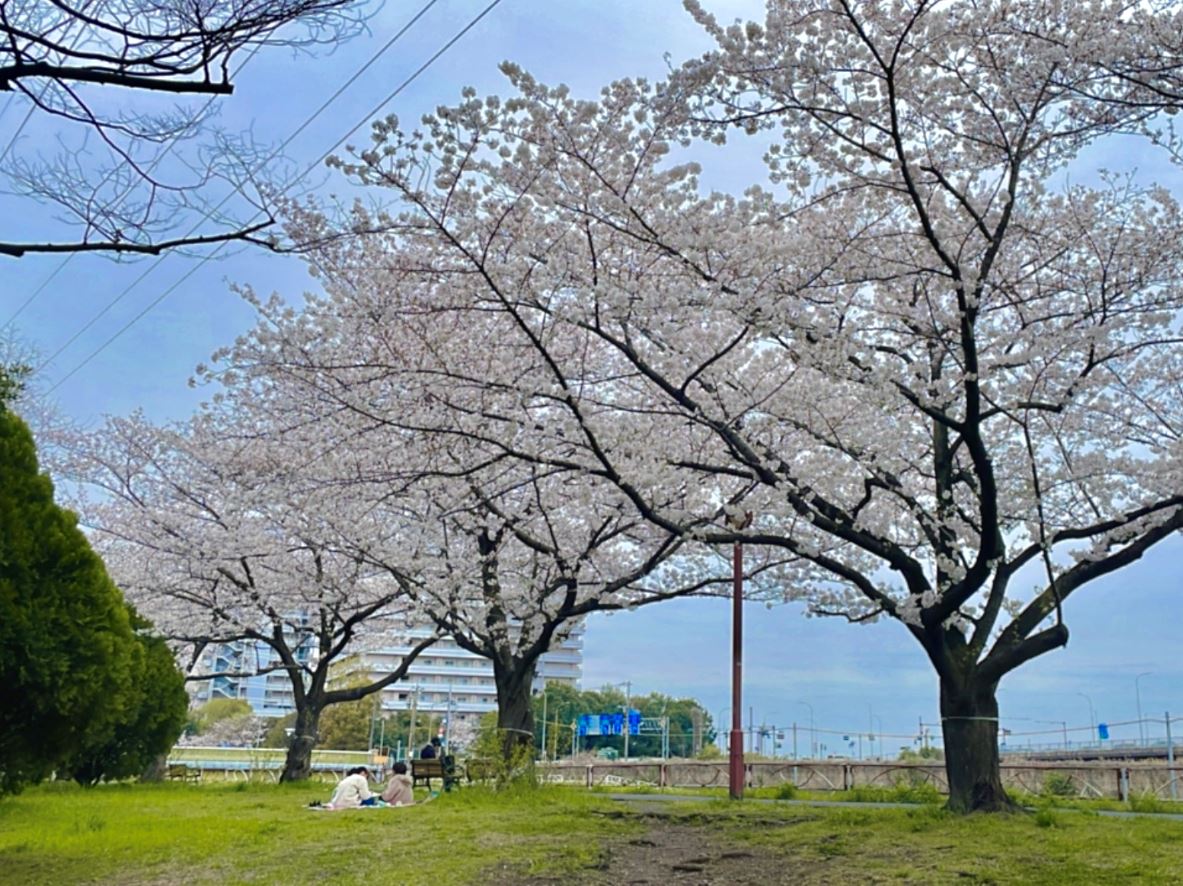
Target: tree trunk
(155, 770)
(298, 765)
(515, 713)
(969, 722)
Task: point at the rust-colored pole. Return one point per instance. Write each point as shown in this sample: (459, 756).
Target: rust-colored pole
(735, 769)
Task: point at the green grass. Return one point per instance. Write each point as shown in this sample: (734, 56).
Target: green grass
(263, 833)
(931, 846)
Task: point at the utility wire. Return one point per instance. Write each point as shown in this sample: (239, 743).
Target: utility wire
(238, 190)
(151, 167)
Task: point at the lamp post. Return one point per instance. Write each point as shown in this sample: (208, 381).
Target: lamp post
(628, 691)
(1092, 717)
(1138, 701)
(812, 734)
(735, 760)
(544, 753)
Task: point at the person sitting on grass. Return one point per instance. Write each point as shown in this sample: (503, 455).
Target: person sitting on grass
(399, 790)
(353, 791)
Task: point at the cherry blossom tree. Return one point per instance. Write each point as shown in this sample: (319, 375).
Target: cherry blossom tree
(210, 530)
(514, 553)
(941, 370)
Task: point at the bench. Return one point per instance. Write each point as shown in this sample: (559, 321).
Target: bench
(426, 770)
(183, 772)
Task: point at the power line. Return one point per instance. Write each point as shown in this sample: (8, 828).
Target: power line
(394, 94)
(151, 167)
(238, 188)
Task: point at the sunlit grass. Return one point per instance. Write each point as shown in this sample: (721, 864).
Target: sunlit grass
(264, 833)
(249, 832)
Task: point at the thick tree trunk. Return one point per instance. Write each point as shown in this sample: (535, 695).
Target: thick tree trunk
(515, 713)
(298, 765)
(969, 721)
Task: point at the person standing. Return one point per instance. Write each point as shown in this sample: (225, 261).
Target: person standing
(431, 750)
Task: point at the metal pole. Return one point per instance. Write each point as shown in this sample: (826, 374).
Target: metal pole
(1064, 726)
(628, 694)
(411, 725)
(812, 734)
(1138, 700)
(1171, 758)
(794, 739)
(544, 721)
(1092, 717)
(735, 760)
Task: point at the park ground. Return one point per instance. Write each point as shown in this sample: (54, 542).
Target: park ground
(264, 833)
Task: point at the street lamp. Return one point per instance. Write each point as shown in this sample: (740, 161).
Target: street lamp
(812, 734)
(543, 694)
(628, 690)
(1138, 701)
(1092, 717)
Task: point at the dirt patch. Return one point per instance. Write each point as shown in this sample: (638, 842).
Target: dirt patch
(668, 852)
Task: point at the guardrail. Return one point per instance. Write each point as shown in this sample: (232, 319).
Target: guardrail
(244, 762)
(1072, 779)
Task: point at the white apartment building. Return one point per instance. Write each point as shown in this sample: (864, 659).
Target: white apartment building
(443, 678)
(446, 677)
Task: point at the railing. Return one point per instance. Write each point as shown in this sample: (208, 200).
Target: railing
(1070, 779)
(244, 762)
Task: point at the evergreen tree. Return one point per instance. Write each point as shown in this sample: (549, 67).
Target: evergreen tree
(152, 717)
(65, 640)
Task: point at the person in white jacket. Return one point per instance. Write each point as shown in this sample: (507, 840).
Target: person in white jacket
(353, 790)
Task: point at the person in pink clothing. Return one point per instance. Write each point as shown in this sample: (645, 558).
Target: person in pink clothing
(399, 789)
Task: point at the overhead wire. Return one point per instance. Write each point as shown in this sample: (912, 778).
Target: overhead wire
(168, 146)
(238, 189)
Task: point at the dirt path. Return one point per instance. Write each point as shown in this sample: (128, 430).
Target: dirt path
(668, 852)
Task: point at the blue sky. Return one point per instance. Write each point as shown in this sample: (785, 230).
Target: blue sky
(850, 675)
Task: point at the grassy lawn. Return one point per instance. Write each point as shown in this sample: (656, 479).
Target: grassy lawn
(263, 833)
(928, 845)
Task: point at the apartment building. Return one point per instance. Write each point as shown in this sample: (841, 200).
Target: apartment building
(443, 679)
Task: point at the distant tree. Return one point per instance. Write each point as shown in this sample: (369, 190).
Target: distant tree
(565, 704)
(89, 75)
(150, 721)
(216, 710)
(279, 731)
(346, 726)
(922, 755)
(12, 381)
(66, 646)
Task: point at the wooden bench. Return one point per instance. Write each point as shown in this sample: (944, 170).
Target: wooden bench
(182, 772)
(426, 770)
